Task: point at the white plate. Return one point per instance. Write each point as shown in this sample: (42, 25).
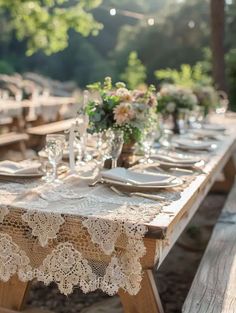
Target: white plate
(176, 182)
(28, 175)
(188, 144)
(178, 159)
(181, 165)
(215, 127)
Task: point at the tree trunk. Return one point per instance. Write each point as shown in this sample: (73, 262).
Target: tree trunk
(217, 42)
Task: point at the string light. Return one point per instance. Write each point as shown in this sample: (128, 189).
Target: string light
(113, 12)
(138, 16)
(191, 24)
(151, 21)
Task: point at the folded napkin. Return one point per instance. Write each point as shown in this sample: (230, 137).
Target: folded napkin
(24, 167)
(139, 179)
(174, 159)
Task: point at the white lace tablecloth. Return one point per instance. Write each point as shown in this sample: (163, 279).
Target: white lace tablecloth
(72, 234)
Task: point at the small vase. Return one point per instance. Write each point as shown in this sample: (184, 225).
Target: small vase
(127, 156)
(176, 128)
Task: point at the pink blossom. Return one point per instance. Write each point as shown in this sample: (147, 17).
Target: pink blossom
(123, 113)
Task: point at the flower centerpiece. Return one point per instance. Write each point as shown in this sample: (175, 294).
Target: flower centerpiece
(207, 96)
(117, 107)
(174, 99)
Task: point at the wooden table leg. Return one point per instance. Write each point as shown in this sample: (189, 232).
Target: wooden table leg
(146, 301)
(13, 294)
(229, 172)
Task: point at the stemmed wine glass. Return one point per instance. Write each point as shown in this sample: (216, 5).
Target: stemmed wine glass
(54, 146)
(147, 143)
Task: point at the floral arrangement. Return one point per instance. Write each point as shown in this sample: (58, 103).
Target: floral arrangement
(131, 111)
(171, 98)
(207, 97)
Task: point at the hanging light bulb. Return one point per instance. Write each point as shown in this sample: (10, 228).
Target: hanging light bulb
(113, 12)
(151, 21)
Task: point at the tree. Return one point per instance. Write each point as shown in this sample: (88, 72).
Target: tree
(171, 41)
(217, 42)
(44, 24)
(135, 72)
(187, 76)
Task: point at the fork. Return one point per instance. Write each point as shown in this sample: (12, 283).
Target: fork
(137, 194)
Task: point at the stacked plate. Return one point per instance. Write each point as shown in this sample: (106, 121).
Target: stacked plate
(205, 134)
(189, 144)
(20, 169)
(214, 127)
(141, 181)
(176, 159)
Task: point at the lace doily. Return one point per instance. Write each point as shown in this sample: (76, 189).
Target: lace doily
(13, 260)
(45, 226)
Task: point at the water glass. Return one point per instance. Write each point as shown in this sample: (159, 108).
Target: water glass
(182, 120)
(54, 147)
(166, 138)
(116, 146)
(147, 143)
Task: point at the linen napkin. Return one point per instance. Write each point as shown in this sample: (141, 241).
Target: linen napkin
(23, 167)
(139, 179)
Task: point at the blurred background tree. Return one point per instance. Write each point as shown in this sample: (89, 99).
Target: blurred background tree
(44, 24)
(135, 72)
(165, 34)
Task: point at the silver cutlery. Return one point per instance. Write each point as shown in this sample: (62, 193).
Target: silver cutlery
(137, 194)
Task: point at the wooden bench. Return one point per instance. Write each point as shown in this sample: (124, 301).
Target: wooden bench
(56, 127)
(14, 138)
(38, 133)
(214, 286)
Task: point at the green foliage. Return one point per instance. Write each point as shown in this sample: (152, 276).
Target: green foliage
(45, 23)
(170, 42)
(6, 68)
(231, 75)
(187, 76)
(171, 98)
(135, 72)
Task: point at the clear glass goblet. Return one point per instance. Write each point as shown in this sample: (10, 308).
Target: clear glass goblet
(54, 146)
(147, 143)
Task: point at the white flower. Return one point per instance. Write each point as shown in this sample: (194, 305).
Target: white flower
(170, 107)
(124, 94)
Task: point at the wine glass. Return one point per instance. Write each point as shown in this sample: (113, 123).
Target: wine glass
(116, 146)
(54, 146)
(147, 143)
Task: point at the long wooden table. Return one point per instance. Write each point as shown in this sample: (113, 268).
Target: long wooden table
(163, 232)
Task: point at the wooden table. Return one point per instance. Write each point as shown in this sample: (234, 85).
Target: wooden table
(163, 233)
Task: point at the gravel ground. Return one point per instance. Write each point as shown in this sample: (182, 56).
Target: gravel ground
(174, 277)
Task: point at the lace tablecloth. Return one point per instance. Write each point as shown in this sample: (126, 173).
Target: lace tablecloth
(72, 234)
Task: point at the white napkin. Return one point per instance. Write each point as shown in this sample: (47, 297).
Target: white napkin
(140, 179)
(24, 167)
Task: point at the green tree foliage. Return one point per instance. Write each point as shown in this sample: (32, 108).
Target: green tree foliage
(135, 72)
(45, 23)
(171, 41)
(187, 76)
(231, 75)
